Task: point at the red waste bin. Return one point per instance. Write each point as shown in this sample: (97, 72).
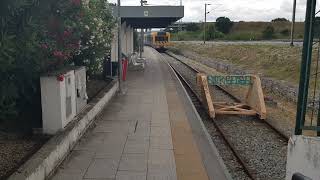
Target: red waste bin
(125, 62)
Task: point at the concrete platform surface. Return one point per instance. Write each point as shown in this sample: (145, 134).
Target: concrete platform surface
(142, 135)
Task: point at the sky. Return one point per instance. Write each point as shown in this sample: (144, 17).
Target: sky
(236, 10)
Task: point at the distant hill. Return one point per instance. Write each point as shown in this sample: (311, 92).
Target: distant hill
(247, 31)
(259, 27)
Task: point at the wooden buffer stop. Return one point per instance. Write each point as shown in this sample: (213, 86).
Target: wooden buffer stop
(254, 101)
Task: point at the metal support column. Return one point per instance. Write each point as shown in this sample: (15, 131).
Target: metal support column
(293, 21)
(119, 49)
(305, 66)
(204, 25)
(205, 22)
(141, 33)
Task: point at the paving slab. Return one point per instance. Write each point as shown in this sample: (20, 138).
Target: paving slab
(131, 175)
(102, 168)
(134, 162)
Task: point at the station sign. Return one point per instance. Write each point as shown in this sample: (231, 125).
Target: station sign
(230, 80)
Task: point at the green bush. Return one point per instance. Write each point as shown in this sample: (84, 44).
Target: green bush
(285, 32)
(212, 33)
(192, 27)
(187, 36)
(268, 33)
(243, 36)
(37, 36)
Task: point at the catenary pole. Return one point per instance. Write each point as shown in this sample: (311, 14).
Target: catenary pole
(293, 21)
(119, 49)
(205, 22)
(141, 34)
(204, 25)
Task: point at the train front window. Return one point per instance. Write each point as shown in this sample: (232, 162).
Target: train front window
(161, 38)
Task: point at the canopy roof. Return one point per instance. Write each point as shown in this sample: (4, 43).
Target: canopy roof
(149, 16)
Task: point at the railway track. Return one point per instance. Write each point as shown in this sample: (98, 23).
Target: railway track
(250, 147)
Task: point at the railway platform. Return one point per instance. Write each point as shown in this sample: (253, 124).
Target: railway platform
(152, 132)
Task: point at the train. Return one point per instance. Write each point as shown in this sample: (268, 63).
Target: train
(159, 40)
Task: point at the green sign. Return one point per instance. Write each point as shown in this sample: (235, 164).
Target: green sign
(230, 80)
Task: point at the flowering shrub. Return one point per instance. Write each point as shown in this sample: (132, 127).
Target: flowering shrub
(96, 26)
(37, 36)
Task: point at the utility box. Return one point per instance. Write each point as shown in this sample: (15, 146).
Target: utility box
(81, 88)
(58, 99)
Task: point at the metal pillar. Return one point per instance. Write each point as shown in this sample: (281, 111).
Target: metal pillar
(180, 24)
(141, 42)
(293, 21)
(305, 66)
(119, 49)
(205, 22)
(141, 33)
(204, 25)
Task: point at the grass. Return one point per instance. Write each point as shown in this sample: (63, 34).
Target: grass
(276, 61)
(187, 36)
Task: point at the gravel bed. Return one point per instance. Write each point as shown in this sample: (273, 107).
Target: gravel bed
(261, 148)
(15, 150)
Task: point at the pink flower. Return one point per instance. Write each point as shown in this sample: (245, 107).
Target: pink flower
(66, 33)
(44, 46)
(58, 54)
(76, 2)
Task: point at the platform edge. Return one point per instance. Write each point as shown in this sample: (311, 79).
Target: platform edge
(210, 145)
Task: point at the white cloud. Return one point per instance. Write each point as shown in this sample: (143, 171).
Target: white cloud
(236, 10)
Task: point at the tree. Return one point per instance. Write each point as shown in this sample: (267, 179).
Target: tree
(192, 27)
(224, 24)
(280, 20)
(268, 32)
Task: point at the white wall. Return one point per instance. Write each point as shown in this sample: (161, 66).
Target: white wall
(126, 36)
(303, 157)
(114, 47)
(130, 40)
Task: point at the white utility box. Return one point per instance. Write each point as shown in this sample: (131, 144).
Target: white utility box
(81, 88)
(58, 99)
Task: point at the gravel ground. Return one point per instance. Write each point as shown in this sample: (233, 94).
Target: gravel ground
(95, 86)
(261, 148)
(15, 151)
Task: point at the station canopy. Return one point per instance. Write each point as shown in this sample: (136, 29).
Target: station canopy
(149, 16)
